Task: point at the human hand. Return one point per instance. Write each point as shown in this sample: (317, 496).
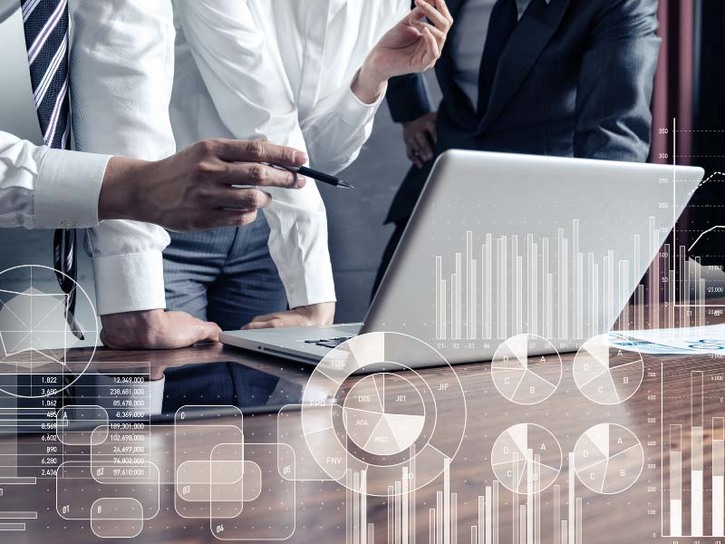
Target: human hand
(413, 45)
(155, 329)
(197, 188)
(420, 138)
(303, 316)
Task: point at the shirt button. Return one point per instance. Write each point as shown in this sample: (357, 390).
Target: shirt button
(66, 224)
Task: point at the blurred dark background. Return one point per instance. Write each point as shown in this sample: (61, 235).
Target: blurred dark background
(689, 117)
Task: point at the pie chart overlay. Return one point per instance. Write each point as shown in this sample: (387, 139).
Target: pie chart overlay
(526, 369)
(607, 376)
(35, 337)
(608, 458)
(378, 423)
(526, 458)
(366, 410)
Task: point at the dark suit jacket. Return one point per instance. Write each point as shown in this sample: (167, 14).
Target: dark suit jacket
(574, 80)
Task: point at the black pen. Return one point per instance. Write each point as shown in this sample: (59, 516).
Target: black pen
(314, 174)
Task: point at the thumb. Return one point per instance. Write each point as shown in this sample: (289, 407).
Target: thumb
(207, 330)
(106, 341)
(256, 324)
(416, 14)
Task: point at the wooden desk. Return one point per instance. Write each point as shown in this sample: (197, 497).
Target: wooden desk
(321, 509)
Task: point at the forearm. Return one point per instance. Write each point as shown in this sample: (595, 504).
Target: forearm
(369, 86)
(121, 196)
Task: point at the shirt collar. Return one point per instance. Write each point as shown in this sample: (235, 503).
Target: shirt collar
(523, 4)
(8, 8)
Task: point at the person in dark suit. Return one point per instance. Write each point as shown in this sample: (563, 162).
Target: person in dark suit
(568, 78)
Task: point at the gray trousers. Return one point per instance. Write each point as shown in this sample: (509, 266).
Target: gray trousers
(224, 275)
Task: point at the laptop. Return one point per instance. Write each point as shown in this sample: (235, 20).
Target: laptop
(502, 245)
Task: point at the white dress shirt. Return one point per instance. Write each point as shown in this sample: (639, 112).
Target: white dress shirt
(120, 64)
(282, 69)
(468, 39)
(39, 187)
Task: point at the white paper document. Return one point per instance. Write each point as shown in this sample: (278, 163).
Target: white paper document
(682, 341)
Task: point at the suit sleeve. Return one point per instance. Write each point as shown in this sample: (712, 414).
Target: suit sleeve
(614, 119)
(408, 98)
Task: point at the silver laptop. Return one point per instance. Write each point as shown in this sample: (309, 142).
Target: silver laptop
(503, 245)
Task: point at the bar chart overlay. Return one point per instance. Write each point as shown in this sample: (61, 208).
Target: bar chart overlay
(693, 454)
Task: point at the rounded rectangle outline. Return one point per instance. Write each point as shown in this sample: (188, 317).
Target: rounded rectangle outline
(140, 520)
(92, 431)
(88, 466)
(294, 502)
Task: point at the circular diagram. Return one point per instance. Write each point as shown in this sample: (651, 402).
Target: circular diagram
(526, 458)
(608, 458)
(607, 376)
(34, 332)
(526, 369)
(382, 425)
(383, 420)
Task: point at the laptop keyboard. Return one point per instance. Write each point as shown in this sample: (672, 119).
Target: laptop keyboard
(329, 342)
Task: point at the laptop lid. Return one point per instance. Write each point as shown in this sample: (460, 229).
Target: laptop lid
(501, 245)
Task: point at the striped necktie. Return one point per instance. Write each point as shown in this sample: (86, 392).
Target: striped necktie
(46, 39)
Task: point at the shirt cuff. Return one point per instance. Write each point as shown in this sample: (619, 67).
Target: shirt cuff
(353, 111)
(156, 396)
(68, 189)
(129, 283)
(313, 284)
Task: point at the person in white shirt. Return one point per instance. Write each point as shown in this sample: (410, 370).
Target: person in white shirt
(307, 74)
(120, 64)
